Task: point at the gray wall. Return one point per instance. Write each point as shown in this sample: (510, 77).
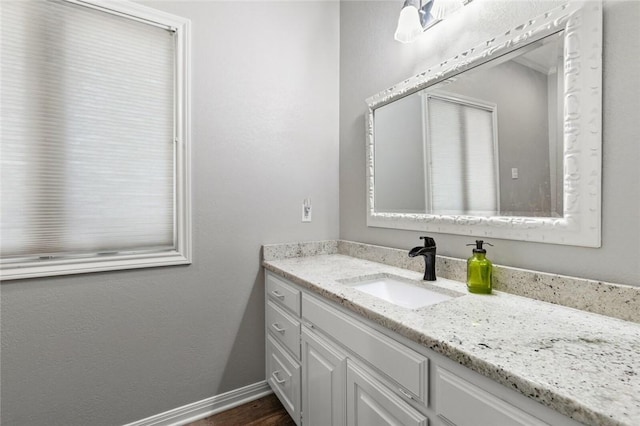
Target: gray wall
(399, 157)
(112, 348)
(371, 61)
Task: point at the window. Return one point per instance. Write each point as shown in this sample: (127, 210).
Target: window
(462, 174)
(94, 153)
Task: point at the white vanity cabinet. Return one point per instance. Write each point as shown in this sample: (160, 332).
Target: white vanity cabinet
(329, 370)
(282, 323)
(330, 367)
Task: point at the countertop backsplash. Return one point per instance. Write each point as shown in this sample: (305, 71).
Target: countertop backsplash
(613, 300)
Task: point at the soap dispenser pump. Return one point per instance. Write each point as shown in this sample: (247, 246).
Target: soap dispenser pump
(479, 270)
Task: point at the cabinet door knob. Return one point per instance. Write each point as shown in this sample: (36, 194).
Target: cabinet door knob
(277, 328)
(276, 378)
(277, 294)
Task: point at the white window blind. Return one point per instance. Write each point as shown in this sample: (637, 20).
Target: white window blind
(88, 122)
(463, 176)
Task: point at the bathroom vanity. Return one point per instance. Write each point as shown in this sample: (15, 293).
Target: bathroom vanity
(341, 348)
(336, 354)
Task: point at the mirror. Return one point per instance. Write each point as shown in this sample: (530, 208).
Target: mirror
(473, 145)
(503, 140)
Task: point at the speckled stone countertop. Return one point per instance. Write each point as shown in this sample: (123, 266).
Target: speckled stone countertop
(583, 365)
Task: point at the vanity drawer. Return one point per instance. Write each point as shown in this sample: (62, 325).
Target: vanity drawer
(283, 375)
(284, 294)
(403, 365)
(284, 327)
(464, 404)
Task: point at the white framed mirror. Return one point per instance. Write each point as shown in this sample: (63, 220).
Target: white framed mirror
(503, 140)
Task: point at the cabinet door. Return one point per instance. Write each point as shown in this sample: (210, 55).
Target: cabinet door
(323, 381)
(370, 403)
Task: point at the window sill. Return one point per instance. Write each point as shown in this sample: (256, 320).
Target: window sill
(48, 268)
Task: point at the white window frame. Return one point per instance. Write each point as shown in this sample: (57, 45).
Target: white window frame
(181, 254)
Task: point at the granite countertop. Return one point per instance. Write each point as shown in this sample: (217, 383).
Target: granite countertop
(584, 365)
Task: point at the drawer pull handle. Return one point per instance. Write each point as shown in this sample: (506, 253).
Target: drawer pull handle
(277, 328)
(405, 393)
(308, 324)
(277, 294)
(276, 378)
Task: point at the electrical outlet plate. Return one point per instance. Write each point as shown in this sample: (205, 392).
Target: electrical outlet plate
(306, 210)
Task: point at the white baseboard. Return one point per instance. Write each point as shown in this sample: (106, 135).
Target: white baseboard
(207, 407)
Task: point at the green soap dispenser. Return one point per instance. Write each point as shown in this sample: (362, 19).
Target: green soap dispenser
(479, 270)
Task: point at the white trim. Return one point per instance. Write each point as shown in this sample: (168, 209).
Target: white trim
(207, 407)
(134, 11)
(94, 263)
(182, 253)
(580, 224)
(182, 28)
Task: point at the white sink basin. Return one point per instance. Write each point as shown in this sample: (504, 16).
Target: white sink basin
(398, 291)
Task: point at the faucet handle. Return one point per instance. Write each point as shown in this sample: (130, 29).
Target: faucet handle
(428, 241)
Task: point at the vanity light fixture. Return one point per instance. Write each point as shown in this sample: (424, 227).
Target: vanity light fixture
(418, 15)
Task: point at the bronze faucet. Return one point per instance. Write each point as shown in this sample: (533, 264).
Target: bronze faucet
(429, 253)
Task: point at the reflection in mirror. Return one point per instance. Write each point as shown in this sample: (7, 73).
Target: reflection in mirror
(487, 142)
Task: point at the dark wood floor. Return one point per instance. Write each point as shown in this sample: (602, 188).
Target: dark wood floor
(265, 411)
